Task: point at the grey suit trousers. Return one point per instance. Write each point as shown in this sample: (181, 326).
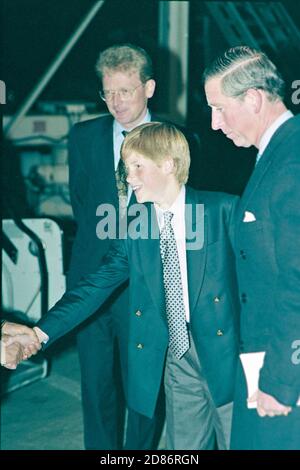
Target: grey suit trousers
(192, 420)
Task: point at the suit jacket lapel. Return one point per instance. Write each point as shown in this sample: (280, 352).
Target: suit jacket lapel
(262, 167)
(196, 259)
(104, 156)
(253, 182)
(151, 260)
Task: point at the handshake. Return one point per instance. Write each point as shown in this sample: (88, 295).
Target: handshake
(18, 342)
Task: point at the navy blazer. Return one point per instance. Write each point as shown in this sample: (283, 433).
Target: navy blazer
(268, 263)
(212, 295)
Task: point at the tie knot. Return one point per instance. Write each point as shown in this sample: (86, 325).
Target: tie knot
(124, 133)
(168, 217)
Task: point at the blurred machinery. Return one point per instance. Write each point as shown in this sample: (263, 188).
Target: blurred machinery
(32, 275)
(40, 142)
(32, 281)
(36, 209)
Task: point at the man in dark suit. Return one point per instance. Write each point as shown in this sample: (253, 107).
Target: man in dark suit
(126, 76)
(245, 92)
(177, 255)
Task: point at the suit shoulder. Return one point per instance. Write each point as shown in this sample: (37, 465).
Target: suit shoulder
(295, 130)
(215, 204)
(215, 198)
(91, 126)
(289, 130)
(285, 144)
(296, 121)
(190, 135)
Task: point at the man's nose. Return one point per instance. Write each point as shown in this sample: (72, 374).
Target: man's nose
(116, 99)
(216, 120)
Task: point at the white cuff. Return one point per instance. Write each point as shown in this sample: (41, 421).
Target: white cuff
(43, 338)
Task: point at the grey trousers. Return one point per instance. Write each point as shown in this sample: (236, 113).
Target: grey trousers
(192, 420)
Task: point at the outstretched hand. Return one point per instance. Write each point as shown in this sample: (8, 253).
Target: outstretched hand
(19, 342)
(11, 355)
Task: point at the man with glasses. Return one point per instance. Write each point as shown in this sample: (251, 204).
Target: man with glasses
(97, 177)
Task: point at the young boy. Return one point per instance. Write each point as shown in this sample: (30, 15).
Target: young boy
(183, 301)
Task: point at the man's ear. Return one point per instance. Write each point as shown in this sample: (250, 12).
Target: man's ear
(254, 98)
(169, 165)
(150, 88)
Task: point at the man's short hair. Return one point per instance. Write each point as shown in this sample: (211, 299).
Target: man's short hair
(241, 68)
(125, 58)
(158, 141)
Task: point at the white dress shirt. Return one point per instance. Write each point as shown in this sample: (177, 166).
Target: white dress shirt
(178, 224)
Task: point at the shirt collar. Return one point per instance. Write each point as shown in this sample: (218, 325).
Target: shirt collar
(177, 208)
(118, 128)
(266, 137)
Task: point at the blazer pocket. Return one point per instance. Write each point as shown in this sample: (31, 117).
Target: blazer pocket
(247, 227)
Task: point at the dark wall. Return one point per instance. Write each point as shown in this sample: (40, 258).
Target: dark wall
(34, 31)
(226, 167)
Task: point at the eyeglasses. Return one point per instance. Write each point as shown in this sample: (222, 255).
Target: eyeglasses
(124, 93)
